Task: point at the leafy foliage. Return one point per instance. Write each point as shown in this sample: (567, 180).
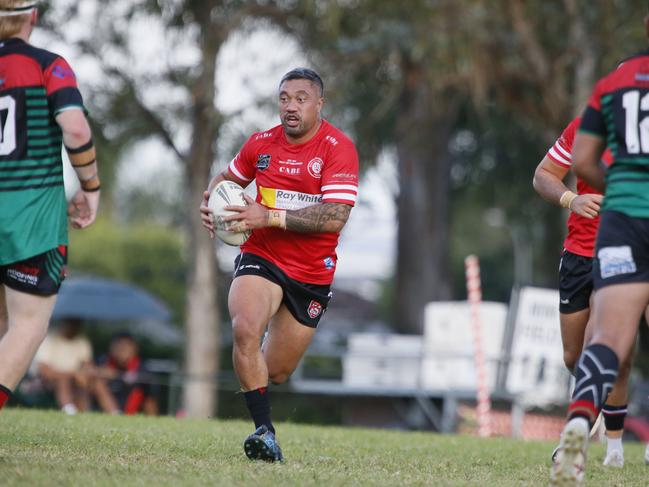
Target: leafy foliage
(147, 255)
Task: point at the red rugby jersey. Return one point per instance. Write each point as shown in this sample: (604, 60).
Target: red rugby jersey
(291, 177)
(582, 231)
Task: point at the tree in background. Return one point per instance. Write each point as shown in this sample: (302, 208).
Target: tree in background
(418, 76)
(149, 256)
(167, 91)
(533, 67)
(391, 77)
(468, 93)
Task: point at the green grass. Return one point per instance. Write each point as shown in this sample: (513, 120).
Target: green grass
(48, 448)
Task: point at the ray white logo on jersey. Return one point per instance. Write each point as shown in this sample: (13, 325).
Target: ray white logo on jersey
(288, 200)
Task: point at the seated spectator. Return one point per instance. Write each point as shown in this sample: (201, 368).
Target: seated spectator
(64, 364)
(126, 377)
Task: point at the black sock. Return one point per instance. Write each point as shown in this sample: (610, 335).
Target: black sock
(595, 373)
(258, 402)
(614, 417)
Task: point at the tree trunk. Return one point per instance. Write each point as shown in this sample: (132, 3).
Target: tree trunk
(423, 133)
(202, 323)
(202, 319)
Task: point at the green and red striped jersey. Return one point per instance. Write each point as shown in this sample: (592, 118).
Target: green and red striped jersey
(618, 111)
(35, 85)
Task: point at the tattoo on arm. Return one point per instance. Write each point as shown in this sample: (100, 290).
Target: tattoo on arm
(327, 217)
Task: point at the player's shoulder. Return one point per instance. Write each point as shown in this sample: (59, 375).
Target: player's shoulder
(258, 139)
(335, 137)
(629, 72)
(637, 57)
(42, 56)
(569, 132)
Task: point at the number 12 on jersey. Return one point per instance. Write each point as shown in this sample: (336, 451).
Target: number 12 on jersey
(7, 125)
(636, 132)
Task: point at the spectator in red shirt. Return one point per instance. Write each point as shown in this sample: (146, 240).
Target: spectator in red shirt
(127, 382)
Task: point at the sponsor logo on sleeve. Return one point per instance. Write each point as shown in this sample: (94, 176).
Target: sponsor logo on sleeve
(315, 309)
(61, 72)
(642, 74)
(263, 161)
(345, 176)
(332, 140)
(315, 167)
(616, 261)
(264, 135)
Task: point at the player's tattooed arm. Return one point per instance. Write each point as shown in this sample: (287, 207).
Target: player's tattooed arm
(327, 217)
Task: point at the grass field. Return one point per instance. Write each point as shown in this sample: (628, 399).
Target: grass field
(47, 448)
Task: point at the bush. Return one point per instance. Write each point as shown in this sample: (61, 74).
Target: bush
(146, 255)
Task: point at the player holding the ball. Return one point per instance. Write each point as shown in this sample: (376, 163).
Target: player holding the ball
(306, 173)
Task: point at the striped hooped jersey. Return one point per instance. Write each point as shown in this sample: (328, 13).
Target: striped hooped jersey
(295, 176)
(582, 231)
(35, 85)
(618, 112)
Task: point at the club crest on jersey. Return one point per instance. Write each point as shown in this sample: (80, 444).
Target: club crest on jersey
(329, 263)
(263, 161)
(315, 167)
(314, 309)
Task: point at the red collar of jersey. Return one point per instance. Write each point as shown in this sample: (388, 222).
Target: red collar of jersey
(133, 364)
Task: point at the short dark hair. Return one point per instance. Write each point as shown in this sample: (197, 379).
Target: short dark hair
(122, 335)
(307, 74)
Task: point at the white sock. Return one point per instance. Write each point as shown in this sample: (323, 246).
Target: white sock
(69, 409)
(613, 444)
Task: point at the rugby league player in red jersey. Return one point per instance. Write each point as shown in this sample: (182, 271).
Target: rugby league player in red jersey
(306, 174)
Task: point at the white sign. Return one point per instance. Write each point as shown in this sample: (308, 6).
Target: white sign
(449, 362)
(382, 361)
(536, 368)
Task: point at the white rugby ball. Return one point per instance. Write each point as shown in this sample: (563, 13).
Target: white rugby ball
(227, 193)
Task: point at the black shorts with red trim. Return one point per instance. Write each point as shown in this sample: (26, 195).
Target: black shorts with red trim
(41, 274)
(306, 302)
(622, 250)
(575, 282)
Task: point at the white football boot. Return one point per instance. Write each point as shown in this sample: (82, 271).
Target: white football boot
(569, 467)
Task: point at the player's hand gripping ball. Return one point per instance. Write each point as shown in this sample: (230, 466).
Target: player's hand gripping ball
(227, 193)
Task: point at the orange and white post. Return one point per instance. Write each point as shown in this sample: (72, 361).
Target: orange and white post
(474, 292)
